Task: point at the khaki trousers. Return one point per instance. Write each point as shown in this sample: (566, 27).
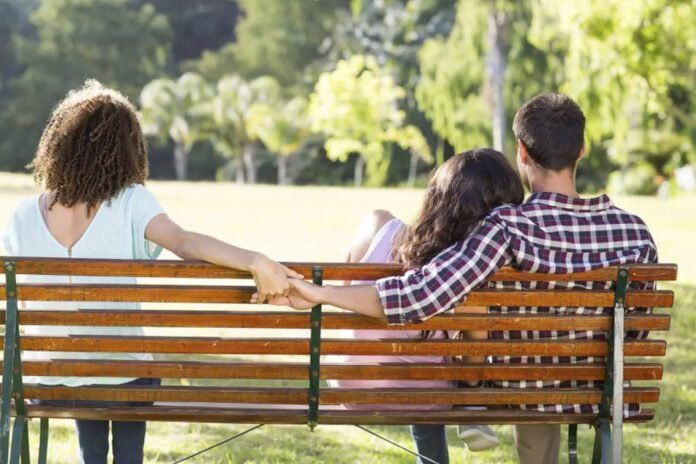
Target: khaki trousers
(538, 444)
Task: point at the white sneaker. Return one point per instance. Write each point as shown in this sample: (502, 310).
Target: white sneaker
(478, 437)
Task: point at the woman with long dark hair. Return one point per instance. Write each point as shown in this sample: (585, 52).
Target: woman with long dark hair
(460, 194)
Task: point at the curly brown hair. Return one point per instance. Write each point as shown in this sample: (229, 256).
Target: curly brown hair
(460, 194)
(91, 149)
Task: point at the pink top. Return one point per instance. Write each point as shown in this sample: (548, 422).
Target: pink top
(379, 252)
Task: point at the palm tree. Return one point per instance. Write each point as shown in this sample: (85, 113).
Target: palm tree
(356, 106)
(169, 110)
(282, 130)
(234, 113)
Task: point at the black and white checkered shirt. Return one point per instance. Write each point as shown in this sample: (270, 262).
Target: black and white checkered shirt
(549, 233)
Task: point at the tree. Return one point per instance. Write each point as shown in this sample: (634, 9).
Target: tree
(630, 66)
(393, 31)
(275, 38)
(197, 25)
(356, 106)
(283, 130)
(483, 70)
(170, 109)
(452, 77)
(233, 115)
(14, 16)
(496, 66)
(109, 40)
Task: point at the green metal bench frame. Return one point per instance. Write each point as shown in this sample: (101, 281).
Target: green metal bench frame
(609, 427)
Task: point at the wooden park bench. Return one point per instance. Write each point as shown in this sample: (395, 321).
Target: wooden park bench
(217, 359)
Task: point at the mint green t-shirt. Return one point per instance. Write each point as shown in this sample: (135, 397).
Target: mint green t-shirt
(117, 231)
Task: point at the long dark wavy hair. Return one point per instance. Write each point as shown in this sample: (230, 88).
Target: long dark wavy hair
(460, 194)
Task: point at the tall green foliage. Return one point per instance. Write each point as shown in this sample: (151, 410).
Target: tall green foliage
(452, 74)
(461, 80)
(197, 25)
(631, 66)
(283, 130)
(280, 39)
(13, 21)
(121, 46)
(234, 116)
(393, 31)
(356, 106)
(457, 70)
(170, 110)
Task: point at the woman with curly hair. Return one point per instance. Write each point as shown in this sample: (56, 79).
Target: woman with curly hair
(92, 166)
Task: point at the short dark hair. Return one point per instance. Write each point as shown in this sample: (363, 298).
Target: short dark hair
(552, 127)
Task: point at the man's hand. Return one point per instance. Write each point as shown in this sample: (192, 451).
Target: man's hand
(362, 299)
(302, 295)
(271, 278)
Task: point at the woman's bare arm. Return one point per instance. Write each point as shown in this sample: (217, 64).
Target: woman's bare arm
(368, 228)
(362, 299)
(271, 277)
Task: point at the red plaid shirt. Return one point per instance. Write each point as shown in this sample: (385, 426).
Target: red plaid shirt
(549, 233)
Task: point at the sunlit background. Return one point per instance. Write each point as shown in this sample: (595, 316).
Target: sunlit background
(324, 95)
(373, 92)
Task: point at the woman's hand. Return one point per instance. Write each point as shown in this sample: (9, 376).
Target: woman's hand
(302, 295)
(271, 278)
(362, 299)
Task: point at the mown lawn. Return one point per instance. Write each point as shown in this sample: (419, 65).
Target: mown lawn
(316, 224)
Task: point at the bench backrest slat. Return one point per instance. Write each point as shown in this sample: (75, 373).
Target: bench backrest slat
(298, 396)
(289, 346)
(237, 294)
(330, 321)
(332, 271)
(298, 371)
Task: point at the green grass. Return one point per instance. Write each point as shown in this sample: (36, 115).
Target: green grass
(316, 224)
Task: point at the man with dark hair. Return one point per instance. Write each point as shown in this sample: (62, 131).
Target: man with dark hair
(551, 128)
(554, 231)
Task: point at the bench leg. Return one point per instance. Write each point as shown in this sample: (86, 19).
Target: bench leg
(25, 444)
(11, 373)
(20, 441)
(597, 448)
(618, 396)
(43, 441)
(601, 453)
(606, 444)
(573, 444)
(7, 390)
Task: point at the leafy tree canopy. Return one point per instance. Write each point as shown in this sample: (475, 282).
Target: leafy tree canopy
(357, 107)
(109, 40)
(278, 39)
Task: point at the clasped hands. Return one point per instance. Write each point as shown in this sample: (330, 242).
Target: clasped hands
(301, 295)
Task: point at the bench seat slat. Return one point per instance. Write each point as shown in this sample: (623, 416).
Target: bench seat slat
(508, 416)
(298, 371)
(242, 294)
(288, 395)
(431, 347)
(332, 271)
(295, 320)
(259, 415)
